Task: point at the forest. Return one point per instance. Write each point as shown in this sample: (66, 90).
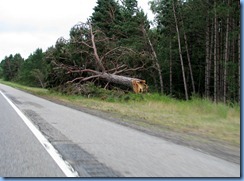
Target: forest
(192, 48)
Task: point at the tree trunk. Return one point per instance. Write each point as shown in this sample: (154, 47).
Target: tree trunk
(215, 53)
(10, 72)
(226, 55)
(137, 85)
(189, 64)
(239, 58)
(98, 60)
(207, 67)
(188, 55)
(156, 62)
(39, 76)
(170, 67)
(109, 75)
(180, 52)
(233, 57)
(220, 62)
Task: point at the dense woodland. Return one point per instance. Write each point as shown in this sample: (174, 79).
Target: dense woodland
(191, 48)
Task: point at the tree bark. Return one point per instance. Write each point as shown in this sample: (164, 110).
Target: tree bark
(129, 82)
(98, 60)
(220, 62)
(138, 85)
(109, 75)
(208, 51)
(239, 57)
(170, 67)
(156, 62)
(215, 53)
(10, 72)
(180, 52)
(233, 57)
(189, 64)
(207, 59)
(188, 55)
(226, 55)
(39, 76)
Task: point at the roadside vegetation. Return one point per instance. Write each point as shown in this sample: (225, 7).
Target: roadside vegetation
(186, 63)
(197, 117)
(190, 48)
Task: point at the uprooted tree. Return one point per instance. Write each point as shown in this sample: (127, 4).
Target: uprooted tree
(90, 55)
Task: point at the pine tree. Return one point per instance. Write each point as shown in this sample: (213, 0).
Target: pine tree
(33, 70)
(11, 66)
(106, 16)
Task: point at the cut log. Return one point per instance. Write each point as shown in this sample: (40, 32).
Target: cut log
(111, 75)
(138, 85)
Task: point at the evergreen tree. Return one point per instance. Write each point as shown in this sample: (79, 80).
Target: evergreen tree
(208, 31)
(10, 67)
(33, 70)
(105, 16)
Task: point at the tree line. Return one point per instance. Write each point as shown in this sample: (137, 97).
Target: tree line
(192, 48)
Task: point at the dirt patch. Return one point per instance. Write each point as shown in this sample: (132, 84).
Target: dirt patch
(216, 148)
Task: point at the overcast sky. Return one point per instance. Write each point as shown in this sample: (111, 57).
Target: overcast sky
(26, 25)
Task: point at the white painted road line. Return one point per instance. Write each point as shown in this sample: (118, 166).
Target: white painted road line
(64, 165)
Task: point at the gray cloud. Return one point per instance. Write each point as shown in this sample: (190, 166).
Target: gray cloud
(30, 24)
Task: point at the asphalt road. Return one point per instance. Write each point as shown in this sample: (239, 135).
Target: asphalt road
(21, 155)
(94, 147)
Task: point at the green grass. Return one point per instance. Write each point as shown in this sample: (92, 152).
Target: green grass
(199, 117)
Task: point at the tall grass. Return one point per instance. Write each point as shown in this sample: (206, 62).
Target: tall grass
(197, 116)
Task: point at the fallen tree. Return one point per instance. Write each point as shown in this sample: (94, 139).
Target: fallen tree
(111, 73)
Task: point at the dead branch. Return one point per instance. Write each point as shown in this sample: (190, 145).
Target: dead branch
(95, 50)
(110, 75)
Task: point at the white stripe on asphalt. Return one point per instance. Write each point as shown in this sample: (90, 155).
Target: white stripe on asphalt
(64, 165)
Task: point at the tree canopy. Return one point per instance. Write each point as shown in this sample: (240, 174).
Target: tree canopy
(192, 49)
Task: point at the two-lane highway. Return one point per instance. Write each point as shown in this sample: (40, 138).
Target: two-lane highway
(92, 146)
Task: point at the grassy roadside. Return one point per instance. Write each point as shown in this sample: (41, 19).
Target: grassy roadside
(196, 117)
